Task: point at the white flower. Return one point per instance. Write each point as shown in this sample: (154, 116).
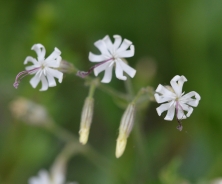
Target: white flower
(112, 54)
(44, 69)
(176, 100)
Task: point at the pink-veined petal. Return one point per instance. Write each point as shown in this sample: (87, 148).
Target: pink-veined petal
(127, 53)
(119, 71)
(177, 84)
(40, 51)
(101, 67)
(44, 83)
(170, 113)
(108, 74)
(31, 59)
(96, 58)
(124, 46)
(55, 73)
(117, 42)
(126, 68)
(35, 80)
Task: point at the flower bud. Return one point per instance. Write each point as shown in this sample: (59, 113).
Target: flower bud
(86, 120)
(28, 111)
(125, 128)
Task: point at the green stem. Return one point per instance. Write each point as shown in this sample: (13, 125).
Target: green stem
(112, 92)
(89, 152)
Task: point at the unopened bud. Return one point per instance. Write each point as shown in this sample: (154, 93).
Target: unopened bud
(28, 111)
(86, 120)
(126, 126)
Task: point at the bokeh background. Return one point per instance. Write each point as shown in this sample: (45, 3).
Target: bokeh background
(171, 38)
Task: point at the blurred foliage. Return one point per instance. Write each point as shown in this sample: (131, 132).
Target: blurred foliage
(171, 37)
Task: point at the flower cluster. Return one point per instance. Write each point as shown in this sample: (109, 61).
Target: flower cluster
(112, 56)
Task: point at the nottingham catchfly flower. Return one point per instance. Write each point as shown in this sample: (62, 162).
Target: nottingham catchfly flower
(45, 70)
(112, 55)
(176, 100)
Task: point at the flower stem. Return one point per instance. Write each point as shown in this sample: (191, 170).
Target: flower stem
(88, 151)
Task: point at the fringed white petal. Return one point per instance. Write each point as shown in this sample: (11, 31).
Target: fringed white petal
(44, 83)
(40, 51)
(35, 80)
(165, 92)
(119, 72)
(55, 73)
(161, 98)
(186, 108)
(163, 107)
(30, 59)
(177, 84)
(54, 59)
(108, 74)
(96, 58)
(190, 101)
(126, 68)
(108, 43)
(170, 113)
(127, 53)
(101, 68)
(124, 46)
(117, 42)
(102, 47)
(51, 80)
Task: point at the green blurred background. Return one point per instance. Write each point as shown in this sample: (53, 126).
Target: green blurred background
(171, 38)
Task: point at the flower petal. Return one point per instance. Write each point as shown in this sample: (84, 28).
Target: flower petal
(165, 92)
(55, 73)
(161, 98)
(51, 80)
(102, 47)
(96, 58)
(108, 43)
(125, 44)
(54, 59)
(163, 108)
(44, 83)
(126, 68)
(177, 84)
(31, 59)
(190, 101)
(119, 71)
(186, 108)
(35, 80)
(40, 51)
(108, 74)
(127, 53)
(117, 42)
(170, 113)
(101, 68)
